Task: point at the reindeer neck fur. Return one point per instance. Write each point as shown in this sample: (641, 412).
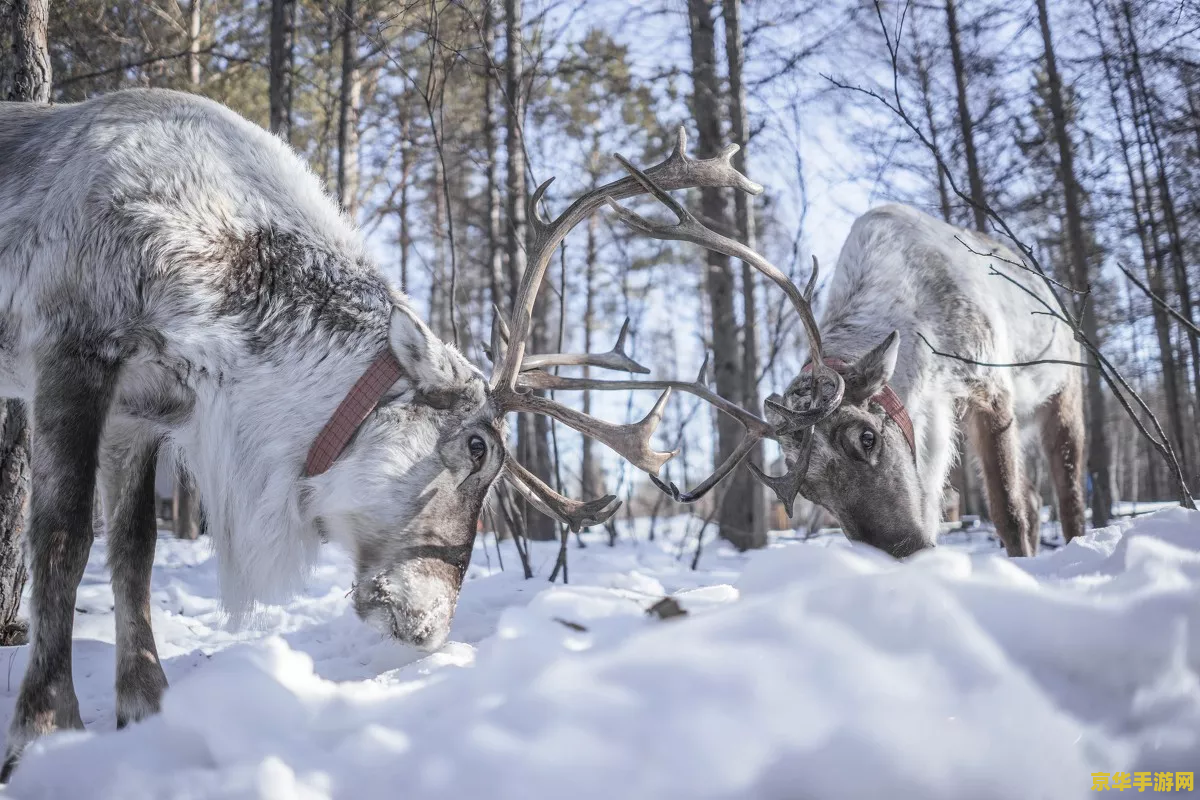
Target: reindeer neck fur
(902, 270)
(257, 411)
(199, 253)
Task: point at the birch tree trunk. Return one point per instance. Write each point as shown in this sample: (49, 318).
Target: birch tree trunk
(491, 125)
(405, 240)
(348, 105)
(283, 28)
(735, 518)
(193, 59)
(1098, 450)
(974, 177)
(532, 447)
(743, 485)
(591, 483)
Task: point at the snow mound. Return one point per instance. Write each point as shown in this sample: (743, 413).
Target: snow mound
(817, 672)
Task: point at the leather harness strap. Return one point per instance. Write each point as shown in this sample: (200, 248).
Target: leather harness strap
(364, 395)
(887, 399)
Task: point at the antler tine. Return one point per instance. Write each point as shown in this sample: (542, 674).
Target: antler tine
(828, 386)
(574, 514)
(812, 280)
(631, 441)
(499, 337)
(755, 427)
(787, 485)
(615, 359)
(678, 171)
(727, 466)
(535, 216)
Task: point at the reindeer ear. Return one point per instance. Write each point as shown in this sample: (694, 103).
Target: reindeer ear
(437, 370)
(866, 378)
(412, 342)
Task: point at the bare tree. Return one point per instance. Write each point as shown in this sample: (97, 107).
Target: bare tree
(532, 445)
(1163, 184)
(590, 473)
(974, 177)
(736, 519)
(1145, 227)
(742, 485)
(23, 26)
(349, 99)
(283, 29)
(495, 250)
(1098, 451)
(404, 244)
(925, 85)
(193, 59)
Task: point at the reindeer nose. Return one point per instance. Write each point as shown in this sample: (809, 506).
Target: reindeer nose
(908, 547)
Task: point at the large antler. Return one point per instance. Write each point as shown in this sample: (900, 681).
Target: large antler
(828, 386)
(516, 375)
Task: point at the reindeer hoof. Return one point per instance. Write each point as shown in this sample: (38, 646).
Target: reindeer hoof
(10, 764)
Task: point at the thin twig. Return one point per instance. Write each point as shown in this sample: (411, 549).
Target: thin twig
(1180, 318)
(1011, 364)
(145, 62)
(1018, 265)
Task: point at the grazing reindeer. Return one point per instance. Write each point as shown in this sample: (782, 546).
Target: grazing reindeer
(903, 277)
(172, 275)
(844, 423)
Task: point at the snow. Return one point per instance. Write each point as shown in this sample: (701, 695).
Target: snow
(814, 669)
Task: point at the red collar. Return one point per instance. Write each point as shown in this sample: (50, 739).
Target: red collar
(364, 395)
(887, 398)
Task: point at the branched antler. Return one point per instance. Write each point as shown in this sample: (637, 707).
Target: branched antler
(828, 387)
(517, 377)
(630, 441)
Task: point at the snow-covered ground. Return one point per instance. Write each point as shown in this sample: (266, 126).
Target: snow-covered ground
(809, 670)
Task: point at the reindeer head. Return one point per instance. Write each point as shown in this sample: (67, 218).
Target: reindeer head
(404, 496)
(858, 461)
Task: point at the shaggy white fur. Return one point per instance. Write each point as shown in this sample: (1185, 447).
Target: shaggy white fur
(164, 232)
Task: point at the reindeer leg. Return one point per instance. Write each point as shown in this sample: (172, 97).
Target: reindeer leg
(128, 478)
(993, 431)
(939, 453)
(71, 401)
(1033, 515)
(1061, 421)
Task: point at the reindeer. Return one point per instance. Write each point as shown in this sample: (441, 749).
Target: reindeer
(923, 325)
(173, 276)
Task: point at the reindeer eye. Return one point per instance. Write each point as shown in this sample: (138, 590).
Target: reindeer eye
(868, 439)
(478, 448)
